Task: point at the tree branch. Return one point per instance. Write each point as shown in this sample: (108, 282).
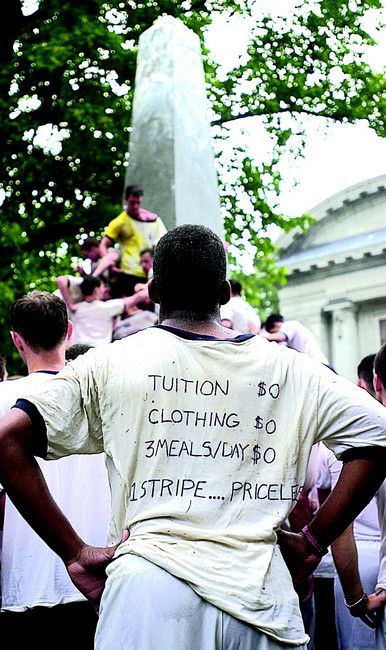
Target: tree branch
(338, 117)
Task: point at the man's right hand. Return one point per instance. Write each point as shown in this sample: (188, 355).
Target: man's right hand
(88, 570)
(370, 610)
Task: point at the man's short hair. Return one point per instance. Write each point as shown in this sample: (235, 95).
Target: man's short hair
(271, 320)
(76, 350)
(89, 285)
(89, 243)
(365, 372)
(133, 190)
(189, 269)
(147, 250)
(380, 365)
(41, 319)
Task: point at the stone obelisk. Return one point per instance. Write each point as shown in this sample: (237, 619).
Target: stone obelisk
(170, 153)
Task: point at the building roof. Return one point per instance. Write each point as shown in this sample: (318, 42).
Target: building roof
(337, 201)
(373, 243)
(358, 211)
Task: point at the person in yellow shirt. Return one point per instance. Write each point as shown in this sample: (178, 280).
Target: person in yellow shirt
(135, 229)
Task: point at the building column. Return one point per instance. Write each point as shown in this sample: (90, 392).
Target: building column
(344, 337)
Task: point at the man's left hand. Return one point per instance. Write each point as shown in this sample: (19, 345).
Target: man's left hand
(300, 560)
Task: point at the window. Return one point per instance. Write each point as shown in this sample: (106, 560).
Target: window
(382, 330)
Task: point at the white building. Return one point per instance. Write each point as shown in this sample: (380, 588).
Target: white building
(337, 274)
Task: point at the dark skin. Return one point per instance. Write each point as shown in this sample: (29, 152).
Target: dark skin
(21, 477)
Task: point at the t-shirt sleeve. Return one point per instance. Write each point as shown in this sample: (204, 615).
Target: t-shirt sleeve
(161, 229)
(69, 407)
(115, 307)
(348, 417)
(113, 229)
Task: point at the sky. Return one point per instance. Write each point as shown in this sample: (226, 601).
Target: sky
(335, 158)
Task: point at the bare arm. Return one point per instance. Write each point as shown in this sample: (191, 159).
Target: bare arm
(105, 244)
(357, 484)
(140, 296)
(344, 551)
(253, 327)
(106, 262)
(62, 283)
(274, 336)
(24, 483)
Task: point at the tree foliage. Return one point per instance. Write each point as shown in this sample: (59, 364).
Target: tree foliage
(68, 68)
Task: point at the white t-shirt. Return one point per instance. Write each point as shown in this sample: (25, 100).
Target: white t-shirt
(300, 338)
(242, 316)
(207, 446)
(32, 574)
(93, 321)
(366, 524)
(381, 503)
(134, 323)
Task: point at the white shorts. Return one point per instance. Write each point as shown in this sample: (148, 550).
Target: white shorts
(149, 609)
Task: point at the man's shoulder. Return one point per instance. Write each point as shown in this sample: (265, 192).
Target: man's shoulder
(121, 218)
(146, 215)
(12, 389)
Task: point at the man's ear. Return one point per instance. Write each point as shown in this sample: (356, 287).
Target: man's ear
(18, 341)
(153, 291)
(377, 386)
(225, 292)
(70, 329)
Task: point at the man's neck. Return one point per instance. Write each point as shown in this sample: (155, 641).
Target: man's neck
(207, 326)
(45, 361)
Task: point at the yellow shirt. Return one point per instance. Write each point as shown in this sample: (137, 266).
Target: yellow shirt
(134, 235)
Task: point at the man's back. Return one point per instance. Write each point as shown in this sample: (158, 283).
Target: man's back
(212, 461)
(300, 338)
(32, 574)
(93, 321)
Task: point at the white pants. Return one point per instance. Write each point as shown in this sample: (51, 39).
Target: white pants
(353, 634)
(149, 609)
(380, 635)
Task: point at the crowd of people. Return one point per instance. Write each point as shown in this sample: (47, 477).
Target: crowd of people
(222, 460)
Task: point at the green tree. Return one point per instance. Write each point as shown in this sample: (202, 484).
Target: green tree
(69, 68)
(310, 65)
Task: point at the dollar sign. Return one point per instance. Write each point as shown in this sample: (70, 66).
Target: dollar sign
(256, 454)
(258, 422)
(261, 388)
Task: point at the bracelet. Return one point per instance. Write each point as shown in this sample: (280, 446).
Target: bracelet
(363, 599)
(313, 542)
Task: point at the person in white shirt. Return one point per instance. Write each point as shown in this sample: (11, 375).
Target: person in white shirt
(39, 601)
(238, 314)
(294, 335)
(207, 440)
(353, 577)
(93, 317)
